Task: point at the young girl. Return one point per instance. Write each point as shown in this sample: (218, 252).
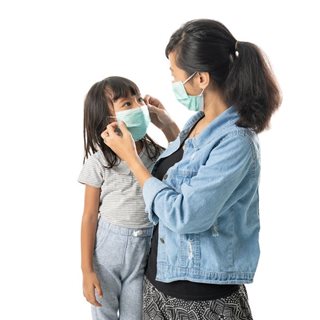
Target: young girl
(115, 233)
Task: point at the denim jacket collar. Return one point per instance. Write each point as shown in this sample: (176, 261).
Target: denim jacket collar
(217, 126)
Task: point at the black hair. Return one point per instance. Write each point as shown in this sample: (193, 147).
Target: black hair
(98, 105)
(239, 70)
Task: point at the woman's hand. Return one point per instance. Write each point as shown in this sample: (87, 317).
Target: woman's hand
(119, 139)
(90, 285)
(161, 119)
(158, 114)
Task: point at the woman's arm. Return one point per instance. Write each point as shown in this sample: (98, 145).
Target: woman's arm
(204, 194)
(171, 131)
(88, 235)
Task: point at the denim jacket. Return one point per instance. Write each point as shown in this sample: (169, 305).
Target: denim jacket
(207, 205)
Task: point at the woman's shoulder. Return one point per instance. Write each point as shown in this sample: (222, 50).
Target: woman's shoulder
(241, 140)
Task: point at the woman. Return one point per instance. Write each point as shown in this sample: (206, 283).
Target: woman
(203, 192)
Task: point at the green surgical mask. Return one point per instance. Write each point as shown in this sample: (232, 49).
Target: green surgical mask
(193, 103)
(137, 121)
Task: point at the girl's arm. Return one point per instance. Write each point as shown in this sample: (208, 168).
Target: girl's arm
(88, 235)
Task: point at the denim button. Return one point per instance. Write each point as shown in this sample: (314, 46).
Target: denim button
(165, 177)
(161, 240)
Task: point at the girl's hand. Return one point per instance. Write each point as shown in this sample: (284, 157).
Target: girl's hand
(158, 114)
(121, 142)
(90, 285)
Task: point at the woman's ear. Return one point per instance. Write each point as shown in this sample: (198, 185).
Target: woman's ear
(204, 79)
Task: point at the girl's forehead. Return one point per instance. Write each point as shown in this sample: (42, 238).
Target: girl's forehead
(117, 93)
(124, 92)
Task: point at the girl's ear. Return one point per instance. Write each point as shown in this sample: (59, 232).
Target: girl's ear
(204, 79)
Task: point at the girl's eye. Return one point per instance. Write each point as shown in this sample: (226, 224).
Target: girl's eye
(141, 100)
(126, 104)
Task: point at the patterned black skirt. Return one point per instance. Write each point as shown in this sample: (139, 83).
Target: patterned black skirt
(158, 306)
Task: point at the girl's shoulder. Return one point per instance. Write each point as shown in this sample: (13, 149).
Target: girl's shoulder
(97, 158)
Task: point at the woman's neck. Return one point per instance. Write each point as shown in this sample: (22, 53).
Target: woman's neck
(214, 105)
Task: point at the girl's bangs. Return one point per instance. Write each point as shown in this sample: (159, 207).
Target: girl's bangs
(122, 88)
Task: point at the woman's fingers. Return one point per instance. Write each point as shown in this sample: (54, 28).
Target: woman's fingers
(123, 130)
(116, 134)
(111, 130)
(118, 128)
(149, 100)
(152, 108)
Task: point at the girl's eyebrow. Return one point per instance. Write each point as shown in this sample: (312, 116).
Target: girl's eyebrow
(121, 99)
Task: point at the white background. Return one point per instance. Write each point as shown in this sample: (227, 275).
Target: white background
(53, 51)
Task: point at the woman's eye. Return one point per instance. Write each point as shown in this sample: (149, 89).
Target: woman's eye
(141, 100)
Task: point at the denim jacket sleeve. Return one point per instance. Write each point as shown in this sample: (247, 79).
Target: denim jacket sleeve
(196, 207)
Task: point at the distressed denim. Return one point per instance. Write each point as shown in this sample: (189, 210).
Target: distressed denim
(207, 205)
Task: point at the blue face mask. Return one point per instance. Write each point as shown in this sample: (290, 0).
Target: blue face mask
(137, 121)
(193, 103)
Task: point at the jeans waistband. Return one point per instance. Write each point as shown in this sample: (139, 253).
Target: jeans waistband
(125, 231)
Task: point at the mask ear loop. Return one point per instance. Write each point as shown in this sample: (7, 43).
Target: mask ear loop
(185, 81)
(201, 93)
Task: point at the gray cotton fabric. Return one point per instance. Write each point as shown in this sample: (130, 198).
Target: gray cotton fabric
(121, 200)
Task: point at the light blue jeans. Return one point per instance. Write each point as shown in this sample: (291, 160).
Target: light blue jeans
(119, 260)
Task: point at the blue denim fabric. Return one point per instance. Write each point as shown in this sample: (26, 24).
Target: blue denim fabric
(207, 206)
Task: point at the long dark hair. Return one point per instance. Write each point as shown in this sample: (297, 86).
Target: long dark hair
(239, 70)
(97, 112)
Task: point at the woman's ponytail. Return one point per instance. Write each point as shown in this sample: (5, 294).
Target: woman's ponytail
(251, 87)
